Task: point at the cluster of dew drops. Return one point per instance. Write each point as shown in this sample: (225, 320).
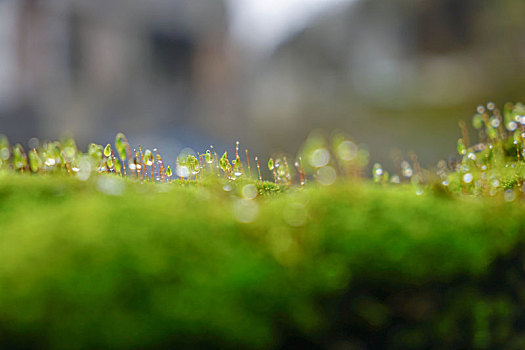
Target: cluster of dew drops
(490, 165)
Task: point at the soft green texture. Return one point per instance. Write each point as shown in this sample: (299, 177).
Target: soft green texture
(170, 265)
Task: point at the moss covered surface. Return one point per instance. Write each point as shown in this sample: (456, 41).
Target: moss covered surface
(108, 263)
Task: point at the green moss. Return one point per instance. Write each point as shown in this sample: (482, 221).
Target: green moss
(161, 266)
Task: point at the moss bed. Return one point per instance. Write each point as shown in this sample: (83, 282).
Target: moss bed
(111, 264)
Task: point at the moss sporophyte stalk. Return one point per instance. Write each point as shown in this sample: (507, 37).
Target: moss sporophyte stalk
(489, 166)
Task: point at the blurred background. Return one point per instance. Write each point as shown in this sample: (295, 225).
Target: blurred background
(176, 73)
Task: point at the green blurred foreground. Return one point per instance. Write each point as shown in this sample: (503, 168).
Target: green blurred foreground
(108, 264)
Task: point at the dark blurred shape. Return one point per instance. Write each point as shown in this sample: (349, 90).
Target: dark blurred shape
(445, 26)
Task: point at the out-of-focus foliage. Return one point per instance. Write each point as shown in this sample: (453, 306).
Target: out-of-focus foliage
(109, 263)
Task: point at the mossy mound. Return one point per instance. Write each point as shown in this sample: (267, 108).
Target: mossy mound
(111, 264)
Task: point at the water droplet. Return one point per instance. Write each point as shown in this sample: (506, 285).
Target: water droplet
(148, 158)
(84, 169)
(494, 122)
(245, 210)
(319, 158)
(395, 179)
(467, 178)
(480, 109)
(407, 172)
(326, 175)
(491, 106)
(471, 156)
(511, 126)
(495, 183)
(522, 120)
(169, 173)
(444, 183)
(462, 150)
(121, 144)
(270, 164)
(209, 157)
(182, 171)
(107, 150)
(378, 170)
(509, 195)
(249, 191)
(347, 150)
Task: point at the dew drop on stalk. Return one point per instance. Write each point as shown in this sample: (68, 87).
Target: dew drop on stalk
(109, 162)
(511, 126)
(270, 164)
(107, 150)
(148, 157)
(50, 162)
(491, 106)
(462, 150)
(169, 173)
(494, 122)
(471, 156)
(378, 170)
(182, 171)
(467, 178)
(209, 157)
(480, 109)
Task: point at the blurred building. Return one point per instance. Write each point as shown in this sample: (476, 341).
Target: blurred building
(92, 67)
(391, 72)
